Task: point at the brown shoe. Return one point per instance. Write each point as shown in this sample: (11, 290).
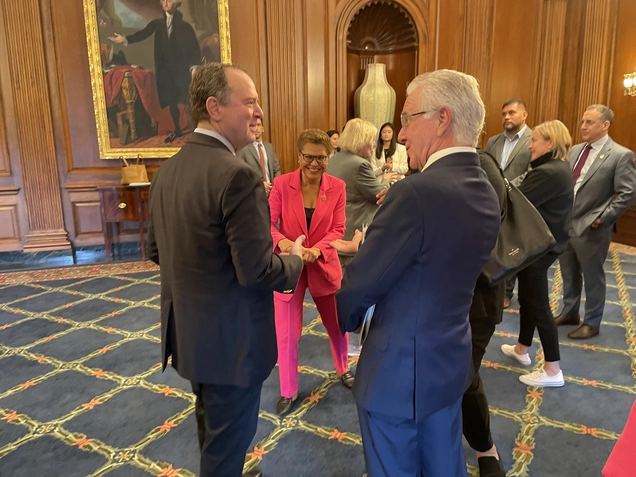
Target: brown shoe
(567, 319)
(583, 332)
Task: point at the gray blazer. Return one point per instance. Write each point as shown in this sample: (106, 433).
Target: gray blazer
(607, 190)
(250, 156)
(519, 157)
(362, 187)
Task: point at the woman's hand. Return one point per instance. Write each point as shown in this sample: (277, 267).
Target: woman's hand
(285, 245)
(310, 255)
(388, 164)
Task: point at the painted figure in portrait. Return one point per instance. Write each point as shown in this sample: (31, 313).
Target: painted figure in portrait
(148, 49)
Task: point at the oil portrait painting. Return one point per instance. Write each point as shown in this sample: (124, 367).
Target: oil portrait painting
(142, 54)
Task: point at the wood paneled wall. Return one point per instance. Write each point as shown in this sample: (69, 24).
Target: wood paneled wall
(558, 55)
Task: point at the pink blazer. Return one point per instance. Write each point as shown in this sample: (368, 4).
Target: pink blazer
(327, 224)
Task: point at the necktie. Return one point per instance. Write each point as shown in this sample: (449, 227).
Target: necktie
(261, 156)
(579, 165)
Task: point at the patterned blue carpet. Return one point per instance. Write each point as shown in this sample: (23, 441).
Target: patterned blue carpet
(82, 394)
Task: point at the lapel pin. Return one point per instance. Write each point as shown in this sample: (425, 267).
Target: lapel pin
(602, 156)
(324, 197)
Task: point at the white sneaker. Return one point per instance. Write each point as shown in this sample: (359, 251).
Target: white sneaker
(540, 379)
(523, 359)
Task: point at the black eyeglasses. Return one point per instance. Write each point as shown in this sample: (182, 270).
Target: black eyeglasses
(308, 158)
(406, 118)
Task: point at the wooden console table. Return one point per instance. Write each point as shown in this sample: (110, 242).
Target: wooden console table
(123, 204)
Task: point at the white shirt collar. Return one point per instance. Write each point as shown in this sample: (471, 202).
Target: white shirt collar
(169, 17)
(597, 145)
(216, 135)
(256, 143)
(446, 152)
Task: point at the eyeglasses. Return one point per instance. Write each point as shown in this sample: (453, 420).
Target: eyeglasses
(406, 118)
(308, 158)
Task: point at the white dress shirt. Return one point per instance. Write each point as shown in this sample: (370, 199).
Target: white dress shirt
(591, 157)
(446, 152)
(216, 135)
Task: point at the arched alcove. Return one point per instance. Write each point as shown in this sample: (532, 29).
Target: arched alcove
(382, 32)
(393, 32)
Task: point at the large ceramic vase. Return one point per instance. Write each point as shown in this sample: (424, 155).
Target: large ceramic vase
(374, 100)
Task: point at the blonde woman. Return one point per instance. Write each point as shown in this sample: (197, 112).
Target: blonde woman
(351, 164)
(550, 188)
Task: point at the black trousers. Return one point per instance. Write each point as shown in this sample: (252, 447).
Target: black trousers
(475, 412)
(510, 286)
(534, 307)
(226, 419)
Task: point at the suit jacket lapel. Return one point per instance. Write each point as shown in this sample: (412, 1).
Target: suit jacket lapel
(323, 203)
(574, 155)
(499, 144)
(270, 160)
(296, 199)
(602, 156)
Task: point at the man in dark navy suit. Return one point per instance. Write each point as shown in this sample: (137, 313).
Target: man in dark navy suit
(419, 264)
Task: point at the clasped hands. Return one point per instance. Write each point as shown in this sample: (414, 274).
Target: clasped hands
(309, 255)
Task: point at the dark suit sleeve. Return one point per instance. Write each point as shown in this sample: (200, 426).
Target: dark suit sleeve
(141, 35)
(367, 182)
(247, 230)
(151, 242)
(393, 240)
(624, 189)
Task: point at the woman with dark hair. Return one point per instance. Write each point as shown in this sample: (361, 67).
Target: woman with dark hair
(312, 203)
(334, 135)
(390, 156)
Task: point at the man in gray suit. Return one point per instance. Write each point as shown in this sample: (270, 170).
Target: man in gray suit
(510, 149)
(604, 187)
(261, 157)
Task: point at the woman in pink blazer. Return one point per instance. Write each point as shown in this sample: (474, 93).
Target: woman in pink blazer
(312, 203)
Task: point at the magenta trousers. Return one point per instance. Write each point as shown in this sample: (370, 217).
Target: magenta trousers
(289, 323)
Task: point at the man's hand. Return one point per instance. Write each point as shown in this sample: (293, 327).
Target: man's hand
(310, 255)
(268, 187)
(348, 246)
(297, 247)
(117, 38)
(381, 195)
(596, 224)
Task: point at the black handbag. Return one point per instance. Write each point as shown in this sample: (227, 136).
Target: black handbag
(523, 237)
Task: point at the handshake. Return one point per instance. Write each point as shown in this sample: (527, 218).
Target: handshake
(308, 255)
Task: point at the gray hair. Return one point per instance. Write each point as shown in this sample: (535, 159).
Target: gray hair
(459, 92)
(606, 113)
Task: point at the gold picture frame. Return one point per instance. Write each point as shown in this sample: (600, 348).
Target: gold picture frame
(118, 124)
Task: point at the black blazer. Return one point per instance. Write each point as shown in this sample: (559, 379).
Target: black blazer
(550, 188)
(487, 305)
(209, 231)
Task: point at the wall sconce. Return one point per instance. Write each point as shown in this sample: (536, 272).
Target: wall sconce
(629, 82)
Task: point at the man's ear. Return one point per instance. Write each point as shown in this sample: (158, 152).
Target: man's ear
(213, 106)
(445, 119)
